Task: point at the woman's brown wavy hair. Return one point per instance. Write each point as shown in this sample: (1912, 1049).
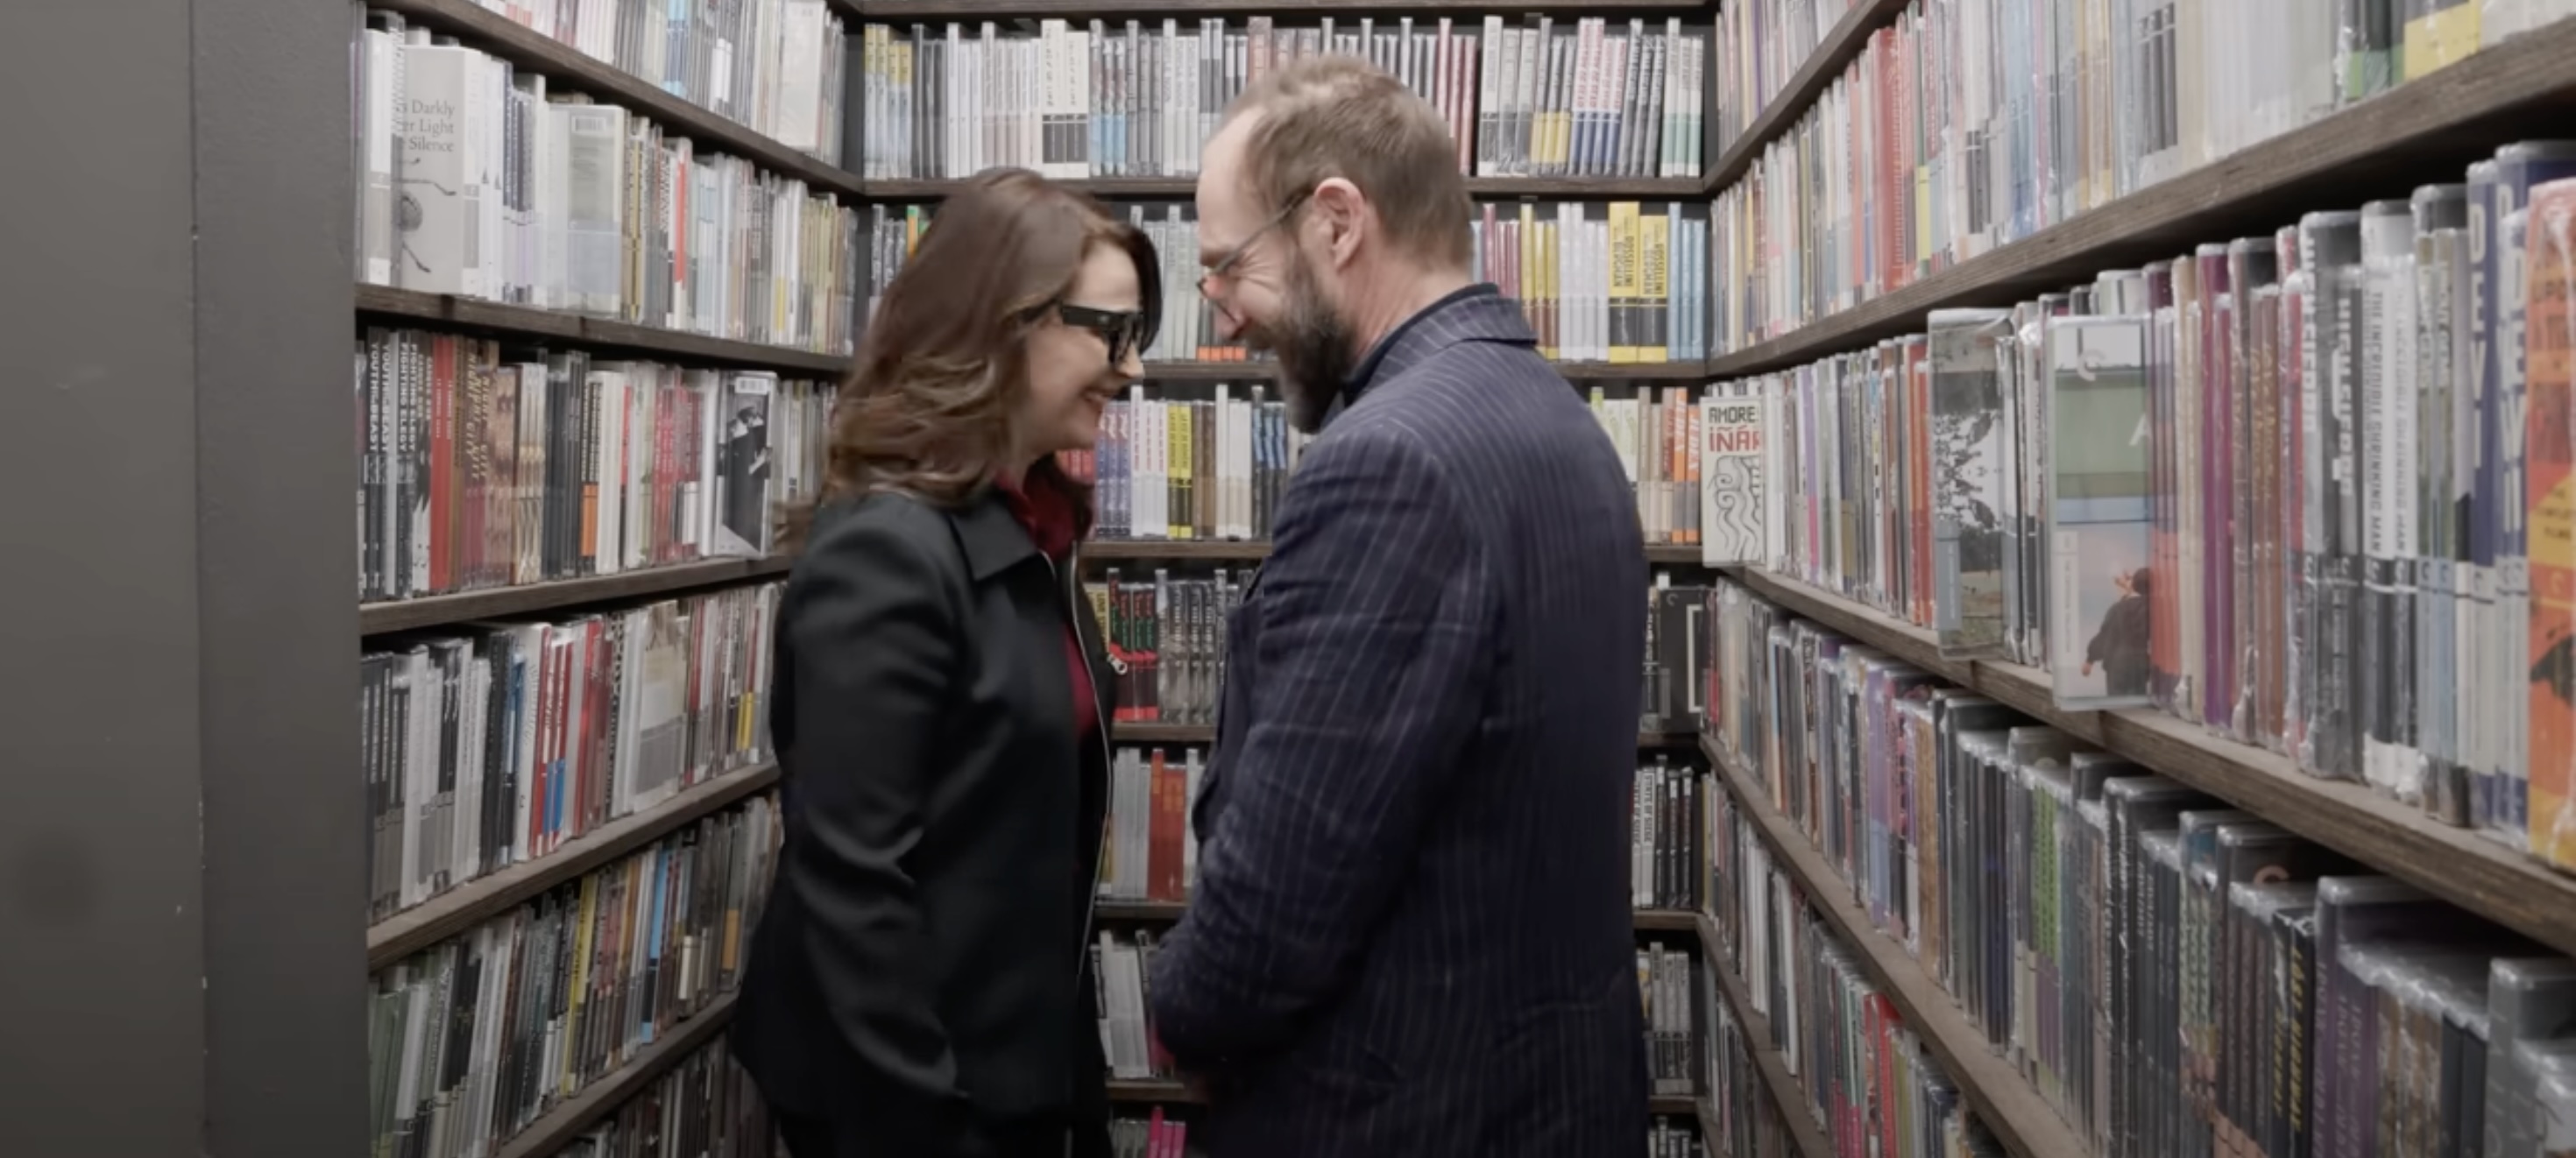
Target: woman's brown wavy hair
(944, 363)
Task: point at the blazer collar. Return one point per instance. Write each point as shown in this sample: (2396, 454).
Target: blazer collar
(1476, 313)
(993, 538)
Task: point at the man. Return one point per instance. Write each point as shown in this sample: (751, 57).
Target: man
(1410, 934)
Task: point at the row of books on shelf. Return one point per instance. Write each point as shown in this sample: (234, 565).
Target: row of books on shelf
(484, 465)
(1215, 468)
(478, 181)
(1622, 282)
(1152, 851)
(1168, 634)
(2307, 490)
(1667, 985)
(473, 1040)
(1741, 1113)
(494, 747)
(1678, 1138)
(776, 67)
(1152, 1136)
(705, 1107)
(2170, 975)
(1965, 125)
(1548, 96)
(1758, 47)
(1863, 1076)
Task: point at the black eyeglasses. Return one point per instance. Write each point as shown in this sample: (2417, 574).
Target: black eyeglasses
(1224, 270)
(1126, 331)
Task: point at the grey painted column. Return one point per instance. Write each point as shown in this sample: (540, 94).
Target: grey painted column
(181, 923)
(277, 581)
(101, 916)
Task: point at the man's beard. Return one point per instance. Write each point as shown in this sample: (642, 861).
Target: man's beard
(1313, 345)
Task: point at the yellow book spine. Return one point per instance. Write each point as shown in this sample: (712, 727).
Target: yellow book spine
(1655, 296)
(1623, 282)
(1177, 422)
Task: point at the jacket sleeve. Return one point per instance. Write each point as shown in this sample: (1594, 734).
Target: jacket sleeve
(873, 634)
(1370, 669)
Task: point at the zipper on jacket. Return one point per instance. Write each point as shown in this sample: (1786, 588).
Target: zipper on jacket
(1108, 766)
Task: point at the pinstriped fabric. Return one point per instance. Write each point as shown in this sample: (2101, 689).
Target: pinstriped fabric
(1411, 933)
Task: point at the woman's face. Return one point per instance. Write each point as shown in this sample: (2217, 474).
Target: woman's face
(1072, 373)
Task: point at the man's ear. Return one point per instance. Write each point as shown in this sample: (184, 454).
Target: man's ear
(1346, 216)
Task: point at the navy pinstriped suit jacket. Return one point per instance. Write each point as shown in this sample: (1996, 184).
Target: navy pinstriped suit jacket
(1411, 932)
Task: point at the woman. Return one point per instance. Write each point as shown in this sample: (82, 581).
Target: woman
(921, 984)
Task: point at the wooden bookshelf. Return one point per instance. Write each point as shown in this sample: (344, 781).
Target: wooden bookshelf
(391, 616)
(1667, 921)
(555, 327)
(1986, 1080)
(1170, 1093)
(1153, 1090)
(1174, 550)
(1146, 732)
(1150, 732)
(1255, 550)
(1693, 372)
(461, 908)
(1167, 912)
(1245, 370)
(1265, 370)
(1842, 43)
(2426, 130)
(557, 1128)
(569, 68)
(1174, 188)
(1797, 1113)
(2455, 864)
(1006, 9)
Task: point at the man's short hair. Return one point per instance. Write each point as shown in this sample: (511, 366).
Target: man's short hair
(1340, 116)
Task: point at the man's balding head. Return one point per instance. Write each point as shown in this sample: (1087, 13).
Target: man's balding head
(1330, 117)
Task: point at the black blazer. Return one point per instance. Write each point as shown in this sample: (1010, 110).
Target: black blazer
(923, 969)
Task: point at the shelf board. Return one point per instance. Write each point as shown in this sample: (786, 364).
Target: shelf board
(566, 67)
(1797, 1113)
(1147, 732)
(1255, 550)
(553, 326)
(1173, 188)
(1841, 45)
(1993, 1088)
(1693, 371)
(2455, 864)
(1009, 9)
(1175, 550)
(1167, 912)
(1174, 1093)
(1676, 1105)
(1666, 921)
(549, 1134)
(1153, 732)
(1243, 370)
(462, 908)
(441, 610)
(1153, 1090)
(2425, 130)
(1264, 370)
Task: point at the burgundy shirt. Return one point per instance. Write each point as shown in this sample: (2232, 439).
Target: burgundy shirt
(1047, 513)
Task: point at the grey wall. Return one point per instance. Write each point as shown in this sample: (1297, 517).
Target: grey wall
(181, 931)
